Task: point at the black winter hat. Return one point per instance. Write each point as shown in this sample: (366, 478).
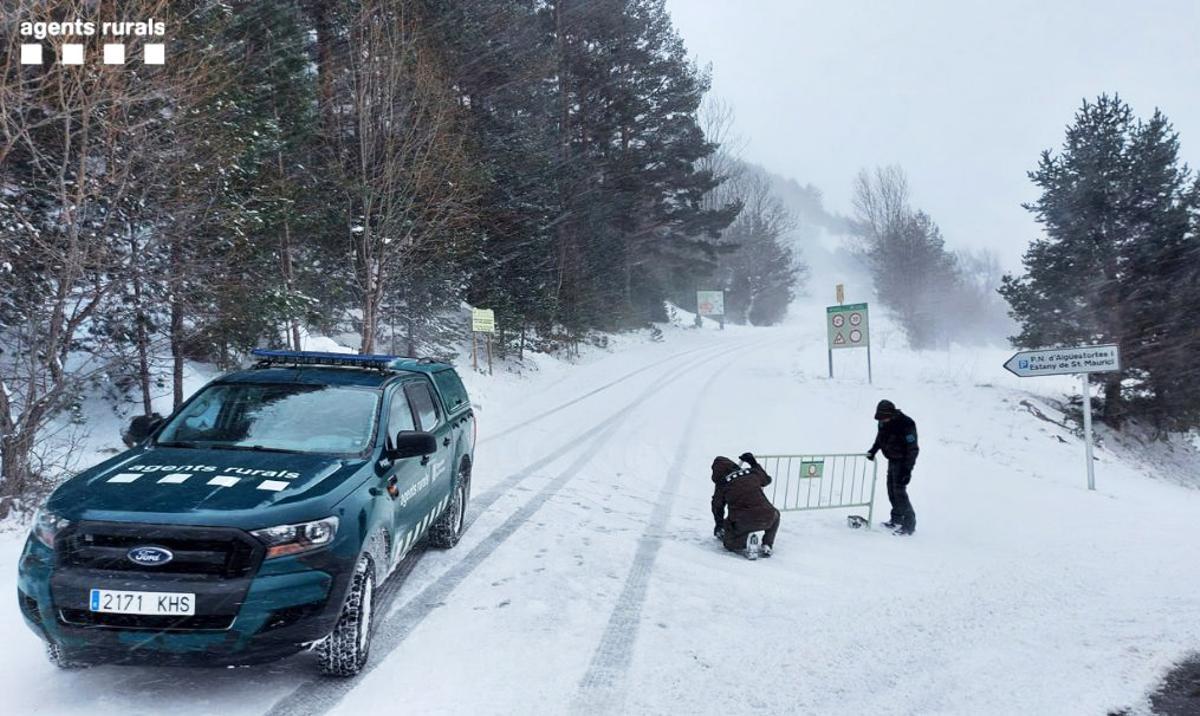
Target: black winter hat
(885, 409)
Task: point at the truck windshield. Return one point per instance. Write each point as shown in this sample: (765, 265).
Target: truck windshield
(293, 418)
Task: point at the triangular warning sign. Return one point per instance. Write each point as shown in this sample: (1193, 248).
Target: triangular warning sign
(838, 339)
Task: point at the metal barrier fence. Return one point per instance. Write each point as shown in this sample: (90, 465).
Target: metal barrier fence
(821, 482)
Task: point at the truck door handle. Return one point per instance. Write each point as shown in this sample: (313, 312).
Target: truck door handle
(425, 460)
(393, 489)
(446, 442)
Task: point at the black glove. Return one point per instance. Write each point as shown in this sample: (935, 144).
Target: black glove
(748, 458)
(719, 532)
(871, 455)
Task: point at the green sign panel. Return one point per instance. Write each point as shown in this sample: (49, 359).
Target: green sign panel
(813, 468)
(847, 326)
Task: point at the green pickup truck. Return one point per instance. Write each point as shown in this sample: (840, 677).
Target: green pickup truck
(258, 519)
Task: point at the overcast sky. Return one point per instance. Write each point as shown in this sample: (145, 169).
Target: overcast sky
(963, 94)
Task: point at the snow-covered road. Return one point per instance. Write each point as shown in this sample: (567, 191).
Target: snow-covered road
(589, 580)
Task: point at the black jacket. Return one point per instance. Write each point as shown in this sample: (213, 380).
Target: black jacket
(897, 440)
(741, 492)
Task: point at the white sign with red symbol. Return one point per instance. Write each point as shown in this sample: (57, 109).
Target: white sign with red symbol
(710, 303)
(847, 326)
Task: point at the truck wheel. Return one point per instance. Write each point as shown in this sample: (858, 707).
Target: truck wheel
(63, 659)
(448, 528)
(344, 652)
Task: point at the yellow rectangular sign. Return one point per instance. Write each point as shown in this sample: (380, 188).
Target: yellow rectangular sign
(483, 320)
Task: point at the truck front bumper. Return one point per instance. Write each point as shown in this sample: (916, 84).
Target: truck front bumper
(238, 621)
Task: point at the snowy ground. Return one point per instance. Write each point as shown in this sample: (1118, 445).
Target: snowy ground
(589, 581)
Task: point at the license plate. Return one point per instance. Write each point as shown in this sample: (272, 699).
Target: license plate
(145, 603)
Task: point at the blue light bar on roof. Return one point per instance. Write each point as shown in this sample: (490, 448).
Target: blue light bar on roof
(322, 358)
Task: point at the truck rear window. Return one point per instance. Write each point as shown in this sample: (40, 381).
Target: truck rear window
(294, 418)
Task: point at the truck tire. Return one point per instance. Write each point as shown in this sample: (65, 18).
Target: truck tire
(344, 652)
(62, 658)
(448, 528)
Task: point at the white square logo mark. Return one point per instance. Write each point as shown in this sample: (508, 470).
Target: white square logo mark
(72, 54)
(114, 54)
(31, 54)
(154, 54)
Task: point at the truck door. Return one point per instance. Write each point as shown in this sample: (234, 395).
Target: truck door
(431, 419)
(405, 478)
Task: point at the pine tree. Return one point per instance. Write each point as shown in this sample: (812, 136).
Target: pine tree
(630, 183)
(758, 272)
(500, 55)
(1116, 263)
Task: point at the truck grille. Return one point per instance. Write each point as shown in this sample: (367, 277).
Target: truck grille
(208, 551)
(207, 622)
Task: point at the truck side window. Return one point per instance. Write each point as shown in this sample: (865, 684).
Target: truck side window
(422, 402)
(400, 416)
(453, 391)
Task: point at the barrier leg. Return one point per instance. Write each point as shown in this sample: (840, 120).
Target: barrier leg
(871, 506)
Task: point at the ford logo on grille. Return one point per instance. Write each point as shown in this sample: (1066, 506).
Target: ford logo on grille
(148, 556)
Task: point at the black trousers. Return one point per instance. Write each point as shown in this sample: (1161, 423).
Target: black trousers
(897, 486)
(737, 532)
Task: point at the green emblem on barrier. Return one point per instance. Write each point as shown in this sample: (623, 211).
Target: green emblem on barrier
(812, 468)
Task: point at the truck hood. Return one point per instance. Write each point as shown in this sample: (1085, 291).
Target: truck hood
(201, 482)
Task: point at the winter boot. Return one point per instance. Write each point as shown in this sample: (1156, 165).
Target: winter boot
(754, 545)
(889, 525)
(767, 550)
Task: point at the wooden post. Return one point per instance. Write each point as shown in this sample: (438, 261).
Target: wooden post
(474, 354)
(489, 353)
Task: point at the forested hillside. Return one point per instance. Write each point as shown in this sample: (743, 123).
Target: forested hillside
(343, 166)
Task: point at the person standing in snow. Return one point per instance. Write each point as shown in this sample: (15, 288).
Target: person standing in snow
(740, 491)
(897, 438)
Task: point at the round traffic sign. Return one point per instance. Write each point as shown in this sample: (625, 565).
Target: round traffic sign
(855, 319)
(855, 336)
(838, 320)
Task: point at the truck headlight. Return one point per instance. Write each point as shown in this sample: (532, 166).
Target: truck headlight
(47, 525)
(294, 539)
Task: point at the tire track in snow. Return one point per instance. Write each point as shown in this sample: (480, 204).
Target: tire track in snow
(590, 393)
(480, 504)
(600, 688)
(319, 694)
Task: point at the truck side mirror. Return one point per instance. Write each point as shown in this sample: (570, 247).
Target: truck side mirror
(411, 443)
(140, 428)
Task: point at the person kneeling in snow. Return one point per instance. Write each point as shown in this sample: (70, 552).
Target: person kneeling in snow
(740, 490)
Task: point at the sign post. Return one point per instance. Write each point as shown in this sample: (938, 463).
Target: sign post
(848, 326)
(711, 303)
(1087, 430)
(483, 320)
(1083, 360)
